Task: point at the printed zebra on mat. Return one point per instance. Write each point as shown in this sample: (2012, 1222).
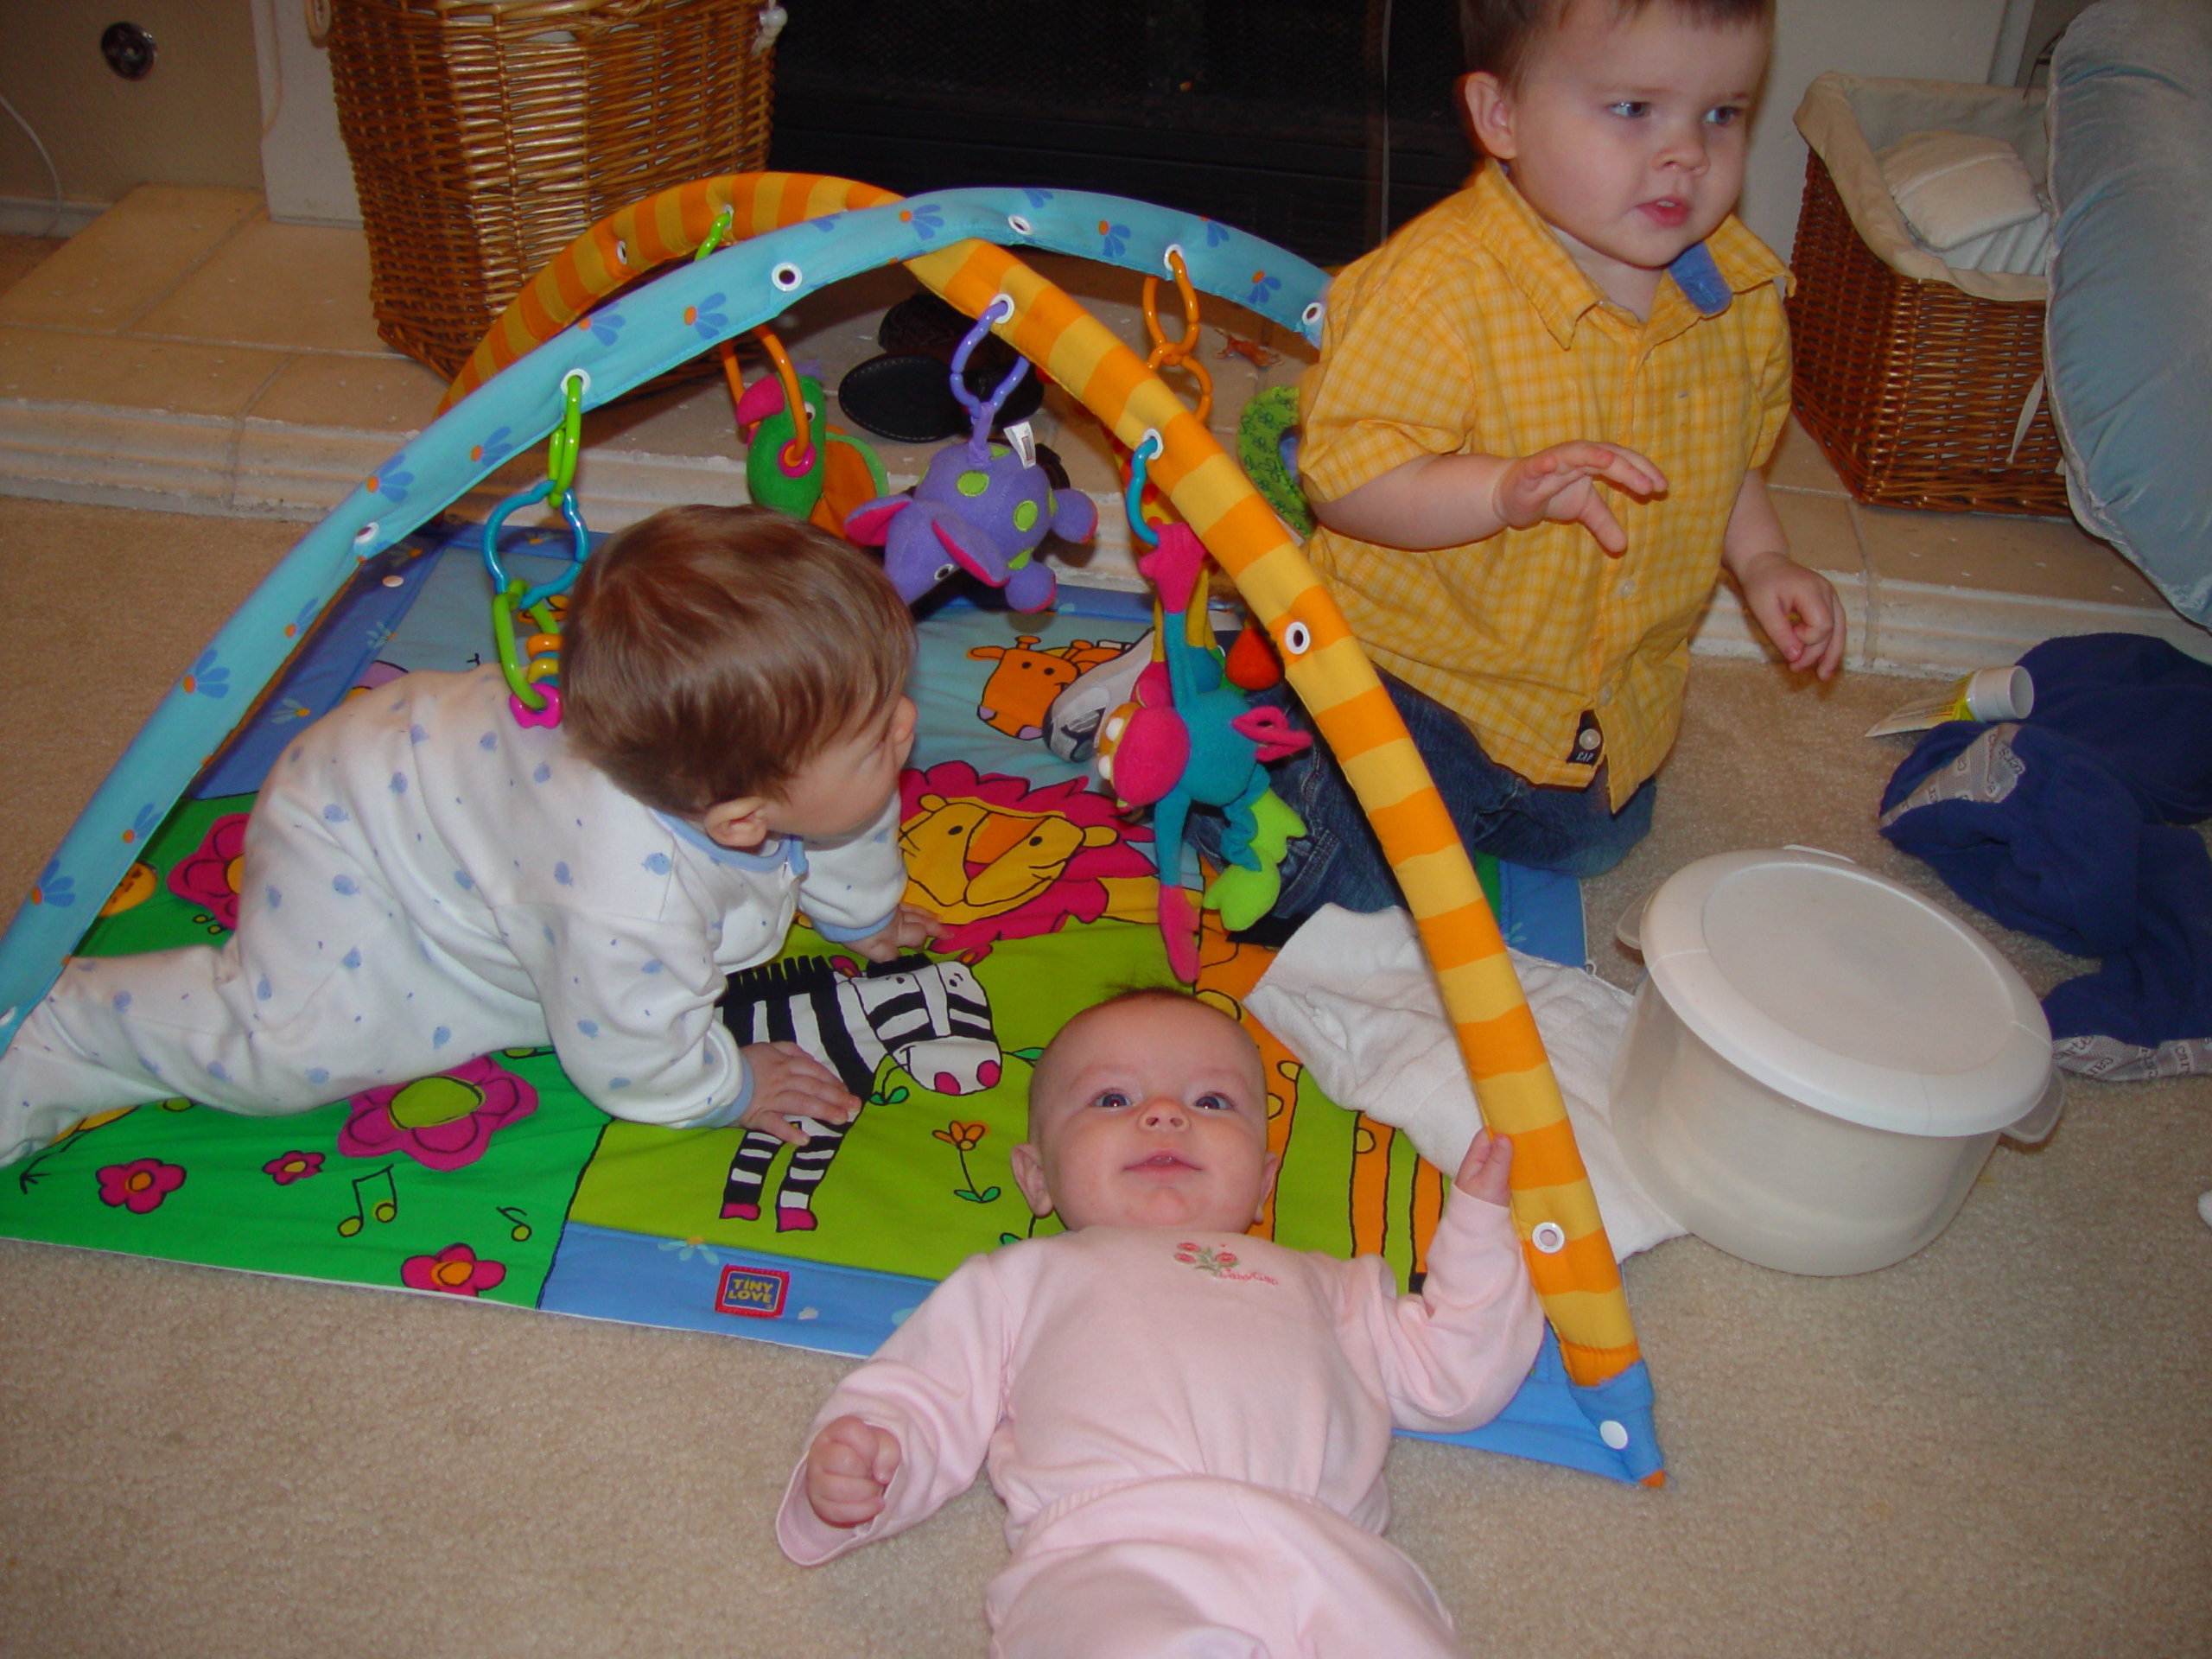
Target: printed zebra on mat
(933, 1018)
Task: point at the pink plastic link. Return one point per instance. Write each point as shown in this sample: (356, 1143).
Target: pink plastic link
(526, 715)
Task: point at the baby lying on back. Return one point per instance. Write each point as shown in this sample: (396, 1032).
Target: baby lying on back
(1187, 1424)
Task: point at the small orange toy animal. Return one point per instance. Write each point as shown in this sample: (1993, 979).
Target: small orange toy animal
(1250, 350)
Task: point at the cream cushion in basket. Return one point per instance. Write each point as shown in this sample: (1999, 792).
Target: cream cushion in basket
(1968, 198)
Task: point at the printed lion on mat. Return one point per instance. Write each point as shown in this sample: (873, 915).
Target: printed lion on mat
(995, 859)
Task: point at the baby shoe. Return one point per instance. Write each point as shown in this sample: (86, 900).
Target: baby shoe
(1072, 721)
(905, 394)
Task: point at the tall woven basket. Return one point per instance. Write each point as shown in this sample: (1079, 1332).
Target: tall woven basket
(1914, 389)
(486, 135)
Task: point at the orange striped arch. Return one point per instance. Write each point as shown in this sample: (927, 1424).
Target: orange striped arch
(625, 244)
(1553, 1204)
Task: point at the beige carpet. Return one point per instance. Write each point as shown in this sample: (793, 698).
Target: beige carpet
(2001, 1447)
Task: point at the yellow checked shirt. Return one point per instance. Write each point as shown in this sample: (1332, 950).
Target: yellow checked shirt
(1472, 332)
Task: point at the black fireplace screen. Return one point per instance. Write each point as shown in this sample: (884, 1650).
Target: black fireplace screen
(1315, 124)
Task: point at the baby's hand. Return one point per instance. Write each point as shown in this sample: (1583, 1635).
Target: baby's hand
(848, 1468)
(1560, 484)
(1799, 610)
(789, 1082)
(909, 928)
(1483, 1171)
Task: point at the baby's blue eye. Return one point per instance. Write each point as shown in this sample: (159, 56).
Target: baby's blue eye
(1111, 1099)
(1216, 1103)
(1727, 116)
(1630, 107)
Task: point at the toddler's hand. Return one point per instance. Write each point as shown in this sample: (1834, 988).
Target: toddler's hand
(1799, 610)
(909, 928)
(1483, 1171)
(789, 1082)
(1560, 484)
(848, 1468)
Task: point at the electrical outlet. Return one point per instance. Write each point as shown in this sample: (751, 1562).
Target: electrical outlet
(129, 50)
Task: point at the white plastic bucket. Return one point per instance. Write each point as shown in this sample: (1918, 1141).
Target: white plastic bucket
(1820, 1061)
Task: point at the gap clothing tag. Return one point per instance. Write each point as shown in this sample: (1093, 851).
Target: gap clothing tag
(1589, 741)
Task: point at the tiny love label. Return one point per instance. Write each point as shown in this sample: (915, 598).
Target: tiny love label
(752, 1292)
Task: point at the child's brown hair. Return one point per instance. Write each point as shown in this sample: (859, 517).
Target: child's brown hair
(708, 653)
(1498, 34)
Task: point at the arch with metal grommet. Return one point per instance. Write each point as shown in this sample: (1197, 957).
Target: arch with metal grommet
(675, 223)
(652, 328)
(1579, 1282)
(665, 226)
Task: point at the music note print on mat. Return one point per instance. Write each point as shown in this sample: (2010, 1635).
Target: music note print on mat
(383, 1210)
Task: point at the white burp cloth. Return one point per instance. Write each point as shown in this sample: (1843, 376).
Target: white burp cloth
(1354, 998)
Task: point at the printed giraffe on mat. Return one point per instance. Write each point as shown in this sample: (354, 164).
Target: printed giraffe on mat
(1022, 687)
(932, 1018)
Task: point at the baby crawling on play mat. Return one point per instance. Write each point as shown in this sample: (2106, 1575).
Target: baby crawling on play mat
(1187, 1425)
(429, 877)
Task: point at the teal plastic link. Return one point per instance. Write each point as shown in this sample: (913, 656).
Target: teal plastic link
(1133, 498)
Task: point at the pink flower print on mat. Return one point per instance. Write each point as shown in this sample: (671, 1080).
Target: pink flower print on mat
(442, 1122)
(140, 1184)
(209, 874)
(453, 1270)
(293, 1166)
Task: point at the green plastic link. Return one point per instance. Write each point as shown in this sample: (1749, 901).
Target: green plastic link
(717, 233)
(561, 448)
(503, 638)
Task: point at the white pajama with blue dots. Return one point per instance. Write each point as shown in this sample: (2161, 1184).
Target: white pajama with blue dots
(425, 880)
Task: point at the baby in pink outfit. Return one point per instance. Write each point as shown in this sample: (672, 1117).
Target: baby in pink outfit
(1187, 1425)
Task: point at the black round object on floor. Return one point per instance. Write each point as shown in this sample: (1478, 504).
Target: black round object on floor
(907, 396)
(922, 322)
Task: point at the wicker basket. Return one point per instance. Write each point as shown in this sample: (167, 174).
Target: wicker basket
(488, 134)
(1914, 388)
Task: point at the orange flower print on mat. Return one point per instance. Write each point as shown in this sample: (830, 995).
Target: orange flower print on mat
(139, 1186)
(442, 1122)
(453, 1270)
(964, 1138)
(293, 1166)
(209, 874)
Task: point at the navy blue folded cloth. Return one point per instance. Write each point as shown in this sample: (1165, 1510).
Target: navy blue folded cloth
(2070, 825)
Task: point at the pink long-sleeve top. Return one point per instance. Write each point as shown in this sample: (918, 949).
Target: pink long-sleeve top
(1093, 1360)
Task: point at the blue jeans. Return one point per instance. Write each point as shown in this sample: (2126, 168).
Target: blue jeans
(1495, 809)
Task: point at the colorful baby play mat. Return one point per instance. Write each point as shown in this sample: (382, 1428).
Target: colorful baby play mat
(497, 1180)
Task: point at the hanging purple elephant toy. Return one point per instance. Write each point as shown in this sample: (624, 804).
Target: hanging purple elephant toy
(981, 507)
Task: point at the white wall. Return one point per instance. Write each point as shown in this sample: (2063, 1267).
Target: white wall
(304, 169)
(1923, 40)
(190, 122)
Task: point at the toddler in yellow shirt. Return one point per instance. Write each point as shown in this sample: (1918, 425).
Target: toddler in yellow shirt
(1533, 437)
